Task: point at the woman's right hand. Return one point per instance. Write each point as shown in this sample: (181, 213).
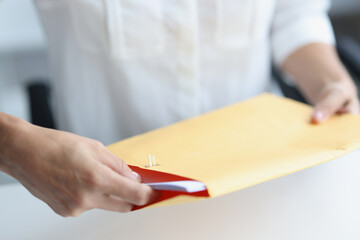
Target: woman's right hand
(70, 173)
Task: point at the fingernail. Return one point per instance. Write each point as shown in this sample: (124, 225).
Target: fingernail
(137, 176)
(318, 116)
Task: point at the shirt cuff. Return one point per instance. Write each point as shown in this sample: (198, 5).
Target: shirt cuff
(290, 37)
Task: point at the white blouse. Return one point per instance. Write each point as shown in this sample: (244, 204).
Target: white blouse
(123, 67)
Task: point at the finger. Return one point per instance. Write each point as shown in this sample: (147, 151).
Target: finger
(118, 165)
(112, 203)
(126, 189)
(328, 105)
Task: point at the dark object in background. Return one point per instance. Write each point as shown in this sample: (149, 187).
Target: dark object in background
(40, 108)
(349, 52)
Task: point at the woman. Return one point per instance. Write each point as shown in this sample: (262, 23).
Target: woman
(120, 68)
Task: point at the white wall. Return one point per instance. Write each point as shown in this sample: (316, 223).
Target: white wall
(22, 54)
(20, 29)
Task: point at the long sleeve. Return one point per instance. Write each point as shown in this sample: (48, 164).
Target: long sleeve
(298, 23)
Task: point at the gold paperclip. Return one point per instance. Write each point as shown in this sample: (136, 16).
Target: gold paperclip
(152, 161)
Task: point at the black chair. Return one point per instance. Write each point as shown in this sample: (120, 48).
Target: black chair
(40, 103)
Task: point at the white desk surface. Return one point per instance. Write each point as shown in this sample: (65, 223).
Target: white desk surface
(322, 202)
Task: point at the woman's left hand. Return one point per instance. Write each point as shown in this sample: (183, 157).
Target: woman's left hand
(335, 98)
(324, 81)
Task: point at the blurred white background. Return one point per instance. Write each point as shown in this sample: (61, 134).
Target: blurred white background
(23, 51)
(22, 54)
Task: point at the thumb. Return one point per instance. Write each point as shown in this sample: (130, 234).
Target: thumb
(137, 176)
(329, 103)
(129, 173)
(120, 166)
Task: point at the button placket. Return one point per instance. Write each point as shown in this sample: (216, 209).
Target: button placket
(186, 18)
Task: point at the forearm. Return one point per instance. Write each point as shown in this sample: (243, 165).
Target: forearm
(10, 127)
(70, 173)
(323, 80)
(5, 130)
(313, 67)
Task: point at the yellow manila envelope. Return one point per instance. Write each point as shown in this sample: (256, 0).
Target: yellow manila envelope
(238, 146)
